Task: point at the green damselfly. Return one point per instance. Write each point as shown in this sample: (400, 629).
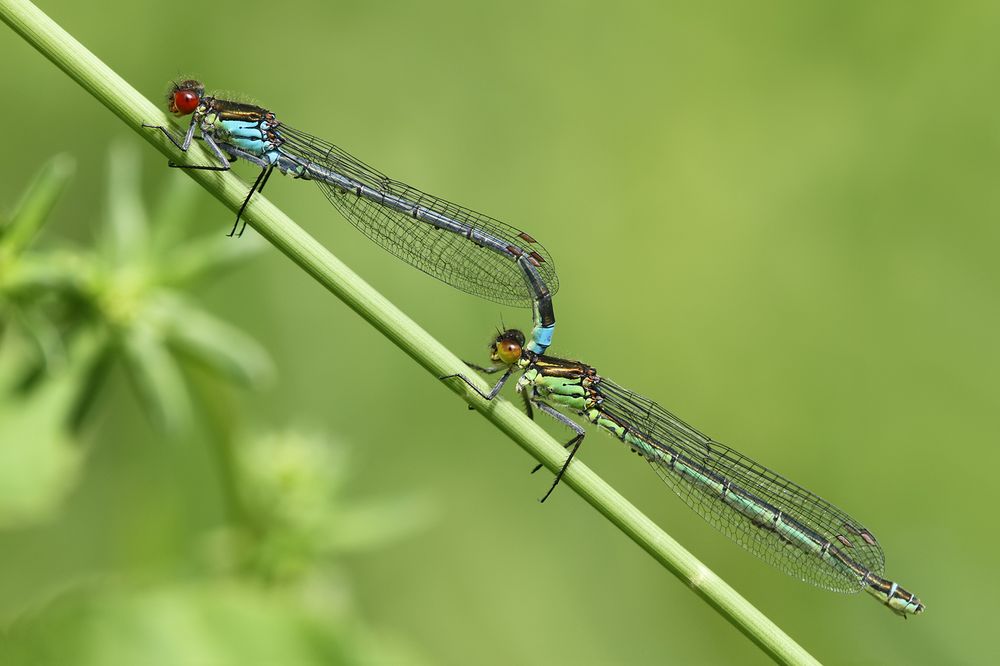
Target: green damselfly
(468, 250)
(775, 519)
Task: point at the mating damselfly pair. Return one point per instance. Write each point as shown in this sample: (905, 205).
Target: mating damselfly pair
(772, 517)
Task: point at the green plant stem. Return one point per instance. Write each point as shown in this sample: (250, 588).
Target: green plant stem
(134, 109)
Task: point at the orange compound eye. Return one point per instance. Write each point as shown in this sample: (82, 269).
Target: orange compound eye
(508, 351)
(184, 102)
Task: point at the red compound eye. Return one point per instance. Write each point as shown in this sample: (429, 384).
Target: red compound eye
(184, 102)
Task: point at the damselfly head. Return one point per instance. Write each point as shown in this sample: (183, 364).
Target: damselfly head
(507, 347)
(185, 96)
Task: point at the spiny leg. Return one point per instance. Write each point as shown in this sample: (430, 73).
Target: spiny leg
(261, 188)
(575, 442)
(198, 167)
(526, 399)
(524, 395)
(540, 465)
(493, 392)
(214, 148)
(258, 185)
(185, 143)
(483, 369)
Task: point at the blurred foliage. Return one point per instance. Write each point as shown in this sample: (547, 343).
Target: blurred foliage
(39, 459)
(265, 586)
(127, 293)
(266, 589)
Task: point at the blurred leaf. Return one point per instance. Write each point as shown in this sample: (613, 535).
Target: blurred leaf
(39, 461)
(214, 623)
(292, 487)
(57, 270)
(91, 387)
(373, 523)
(216, 344)
(48, 342)
(14, 359)
(157, 378)
(170, 219)
(127, 226)
(207, 256)
(35, 205)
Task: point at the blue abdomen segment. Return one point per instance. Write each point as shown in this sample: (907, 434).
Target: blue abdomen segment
(541, 338)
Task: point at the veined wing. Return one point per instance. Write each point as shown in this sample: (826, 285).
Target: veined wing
(455, 258)
(773, 518)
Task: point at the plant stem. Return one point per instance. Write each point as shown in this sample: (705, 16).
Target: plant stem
(134, 109)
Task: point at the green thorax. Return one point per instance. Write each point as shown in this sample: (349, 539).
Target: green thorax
(559, 382)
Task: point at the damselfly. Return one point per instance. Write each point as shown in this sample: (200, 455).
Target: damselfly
(459, 246)
(775, 519)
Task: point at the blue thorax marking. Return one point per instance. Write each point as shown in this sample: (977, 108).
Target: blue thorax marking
(249, 137)
(243, 129)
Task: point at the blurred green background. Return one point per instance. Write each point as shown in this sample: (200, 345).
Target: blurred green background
(777, 220)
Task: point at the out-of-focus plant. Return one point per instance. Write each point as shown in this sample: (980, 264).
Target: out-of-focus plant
(266, 587)
(291, 487)
(38, 462)
(68, 313)
(128, 293)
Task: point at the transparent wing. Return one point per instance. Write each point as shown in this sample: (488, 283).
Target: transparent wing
(742, 498)
(450, 257)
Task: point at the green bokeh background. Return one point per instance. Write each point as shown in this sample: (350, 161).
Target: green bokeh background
(778, 220)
